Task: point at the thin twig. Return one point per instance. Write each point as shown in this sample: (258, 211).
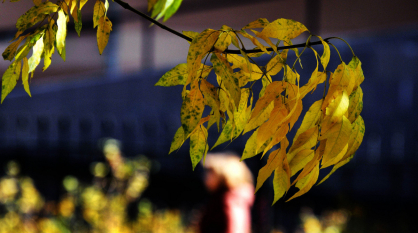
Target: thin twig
(128, 7)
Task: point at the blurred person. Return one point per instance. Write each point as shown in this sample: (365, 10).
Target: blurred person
(231, 188)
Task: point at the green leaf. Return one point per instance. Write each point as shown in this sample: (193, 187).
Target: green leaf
(172, 9)
(10, 51)
(198, 145)
(10, 78)
(34, 15)
(79, 24)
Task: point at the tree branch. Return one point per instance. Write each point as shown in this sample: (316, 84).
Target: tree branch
(128, 7)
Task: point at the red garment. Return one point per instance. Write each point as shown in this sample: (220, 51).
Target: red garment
(229, 211)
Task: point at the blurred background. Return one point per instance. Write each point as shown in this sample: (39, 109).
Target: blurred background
(75, 104)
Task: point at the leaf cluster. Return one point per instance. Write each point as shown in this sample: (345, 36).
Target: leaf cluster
(330, 133)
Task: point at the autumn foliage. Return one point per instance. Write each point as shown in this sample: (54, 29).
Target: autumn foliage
(331, 130)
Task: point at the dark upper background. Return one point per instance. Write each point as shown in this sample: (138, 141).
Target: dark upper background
(88, 97)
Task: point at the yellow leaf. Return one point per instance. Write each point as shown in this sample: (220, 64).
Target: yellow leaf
(178, 140)
(25, 76)
(295, 116)
(191, 110)
(36, 55)
(82, 3)
(355, 104)
(9, 79)
(199, 47)
(268, 128)
(305, 140)
(337, 138)
(339, 80)
(311, 164)
(356, 137)
(299, 161)
(103, 33)
(276, 63)
(326, 54)
(272, 91)
(49, 40)
(281, 180)
(37, 2)
(10, 51)
(223, 41)
(336, 109)
(190, 34)
(62, 31)
(250, 146)
(254, 40)
(356, 72)
(212, 100)
(283, 29)
(234, 128)
(275, 158)
(198, 145)
(266, 39)
(316, 78)
(311, 119)
(336, 166)
(306, 183)
(259, 23)
(34, 15)
(275, 138)
(229, 81)
(98, 12)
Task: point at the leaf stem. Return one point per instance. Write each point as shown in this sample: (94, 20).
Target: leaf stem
(352, 51)
(337, 52)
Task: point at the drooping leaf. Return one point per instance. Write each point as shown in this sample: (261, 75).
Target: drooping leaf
(10, 78)
(34, 60)
(304, 141)
(355, 104)
(306, 183)
(198, 145)
(49, 40)
(78, 23)
(310, 119)
(276, 63)
(24, 50)
(337, 138)
(326, 54)
(275, 138)
(10, 51)
(275, 158)
(191, 110)
(250, 146)
(178, 140)
(336, 166)
(283, 29)
(259, 23)
(212, 100)
(281, 180)
(337, 107)
(356, 137)
(98, 12)
(254, 40)
(172, 9)
(62, 32)
(199, 47)
(224, 40)
(103, 32)
(34, 15)
(25, 75)
(316, 79)
(356, 72)
(300, 160)
(229, 81)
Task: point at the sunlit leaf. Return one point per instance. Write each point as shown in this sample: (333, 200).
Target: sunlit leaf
(178, 140)
(224, 40)
(25, 75)
(276, 63)
(304, 141)
(311, 119)
(34, 60)
(300, 160)
(250, 146)
(356, 72)
(49, 41)
(172, 9)
(62, 32)
(326, 54)
(103, 32)
(10, 78)
(355, 104)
